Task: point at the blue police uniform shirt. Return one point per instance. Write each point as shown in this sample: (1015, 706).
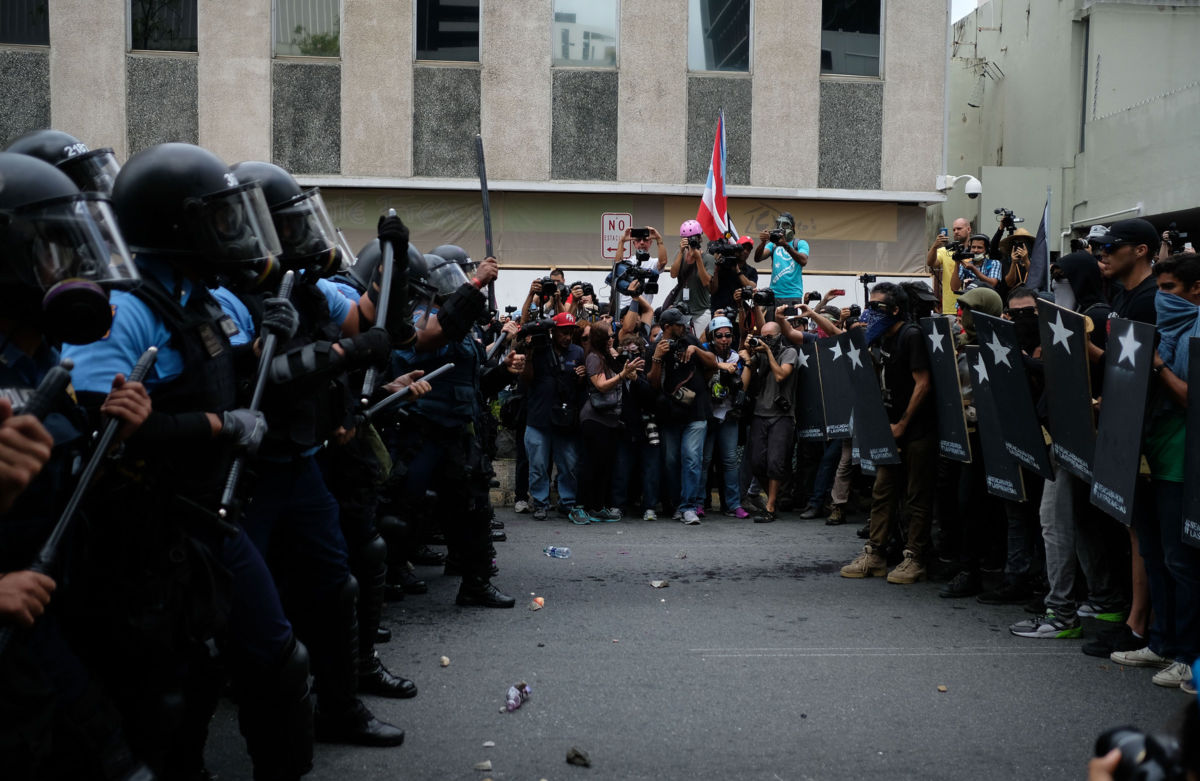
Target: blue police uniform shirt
(237, 311)
(135, 327)
(787, 276)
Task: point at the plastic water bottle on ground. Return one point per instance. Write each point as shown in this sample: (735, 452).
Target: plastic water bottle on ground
(517, 694)
(556, 552)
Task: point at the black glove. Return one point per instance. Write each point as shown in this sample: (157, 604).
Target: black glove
(280, 318)
(393, 231)
(244, 427)
(461, 310)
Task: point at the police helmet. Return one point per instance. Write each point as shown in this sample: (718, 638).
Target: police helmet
(92, 170)
(445, 275)
(306, 233)
(369, 258)
(181, 202)
(59, 252)
(458, 255)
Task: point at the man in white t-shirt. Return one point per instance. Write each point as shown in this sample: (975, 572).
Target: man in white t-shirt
(641, 257)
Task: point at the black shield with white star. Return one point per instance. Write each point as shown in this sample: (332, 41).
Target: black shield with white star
(836, 397)
(1191, 449)
(872, 428)
(810, 409)
(1122, 412)
(1001, 470)
(1010, 388)
(953, 442)
(1068, 388)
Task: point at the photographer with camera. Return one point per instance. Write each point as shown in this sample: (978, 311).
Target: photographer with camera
(694, 271)
(725, 387)
(642, 258)
(769, 378)
(677, 369)
(554, 373)
(1014, 252)
(940, 263)
(788, 254)
(975, 267)
(544, 299)
(734, 274)
(600, 422)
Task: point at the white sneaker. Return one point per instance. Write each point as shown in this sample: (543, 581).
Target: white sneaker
(690, 518)
(521, 506)
(678, 516)
(1142, 657)
(649, 515)
(1173, 676)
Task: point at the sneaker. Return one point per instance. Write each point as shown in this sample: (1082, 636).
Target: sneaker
(964, 584)
(741, 514)
(867, 564)
(1173, 677)
(908, 571)
(1047, 627)
(1008, 594)
(690, 518)
(810, 512)
(539, 513)
(650, 515)
(1119, 638)
(766, 516)
(700, 512)
(579, 517)
(837, 515)
(1100, 613)
(678, 516)
(609, 514)
(521, 506)
(1188, 684)
(1142, 657)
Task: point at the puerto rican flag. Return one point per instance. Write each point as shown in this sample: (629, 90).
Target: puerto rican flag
(713, 215)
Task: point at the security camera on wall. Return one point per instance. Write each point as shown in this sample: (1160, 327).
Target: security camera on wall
(972, 187)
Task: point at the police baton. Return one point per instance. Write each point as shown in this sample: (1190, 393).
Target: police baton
(487, 217)
(54, 383)
(495, 346)
(381, 310)
(400, 394)
(260, 385)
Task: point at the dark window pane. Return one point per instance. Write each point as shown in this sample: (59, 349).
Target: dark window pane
(448, 30)
(719, 37)
(308, 27)
(850, 37)
(25, 22)
(163, 25)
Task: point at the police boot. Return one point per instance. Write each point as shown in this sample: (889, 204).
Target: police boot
(376, 679)
(370, 570)
(340, 717)
(479, 591)
(275, 714)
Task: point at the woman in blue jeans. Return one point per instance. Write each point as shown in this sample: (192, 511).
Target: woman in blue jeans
(600, 423)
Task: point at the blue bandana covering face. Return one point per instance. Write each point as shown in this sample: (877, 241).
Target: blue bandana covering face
(878, 324)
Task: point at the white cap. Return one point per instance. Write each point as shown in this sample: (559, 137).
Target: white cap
(1097, 231)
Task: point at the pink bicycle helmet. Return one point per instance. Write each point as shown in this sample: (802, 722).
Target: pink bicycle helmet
(690, 228)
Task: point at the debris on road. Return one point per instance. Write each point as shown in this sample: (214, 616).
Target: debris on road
(577, 757)
(660, 583)
(489, 744)
(537, 604)
(518, 693)
(484, 765)
(943, 689)
(445, 661)
(681, 555)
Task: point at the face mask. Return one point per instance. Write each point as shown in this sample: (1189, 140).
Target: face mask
(878, 324)
(1026, 325)
(980, 257)
(772, 341)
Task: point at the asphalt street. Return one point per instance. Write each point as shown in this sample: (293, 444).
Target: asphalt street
(756, 661)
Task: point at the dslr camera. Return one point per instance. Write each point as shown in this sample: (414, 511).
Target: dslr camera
(776, 236)
(753, 342)
(764, 297)
(694, 242)
(1143, 756)
(549, 287)
(1175, 238)
(725, 251)
(587, 288)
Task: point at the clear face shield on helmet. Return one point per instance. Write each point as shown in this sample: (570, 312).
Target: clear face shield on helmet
(308, 239)
(93, 171)
(70, 249)
(237, 234)
(346, 253)
(445, 276)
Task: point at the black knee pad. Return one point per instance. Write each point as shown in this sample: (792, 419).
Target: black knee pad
(372, 554)
(292, 674)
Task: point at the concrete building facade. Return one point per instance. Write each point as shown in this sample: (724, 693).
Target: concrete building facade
(853, 156)
(1096, 99)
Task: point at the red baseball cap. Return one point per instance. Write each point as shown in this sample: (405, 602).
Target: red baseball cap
(564, 320)
(746, 240)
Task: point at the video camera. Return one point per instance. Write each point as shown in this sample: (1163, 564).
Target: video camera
(867, 279)
(537, 332)
(627, 273)
(1175, 238)
(725, 251)
(1006, 217)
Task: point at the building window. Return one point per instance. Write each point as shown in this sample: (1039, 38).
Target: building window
(719, 35)
(584, 33)
(162, 25)
(850, 37)
(448, 30)
(25, 22)
(308, 28)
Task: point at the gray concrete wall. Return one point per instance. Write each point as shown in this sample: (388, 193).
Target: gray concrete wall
(24, 92)
(445, 120)
(914, 49)
(377, 88)
(87, 72)
(786, 62)
(653, 95)
(707, 96)
(306, 116)
(584, 140)
(234, 78)
(851, 143)
(514, 110)
(161, 97)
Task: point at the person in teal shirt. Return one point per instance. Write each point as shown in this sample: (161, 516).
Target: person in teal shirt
(788, 258)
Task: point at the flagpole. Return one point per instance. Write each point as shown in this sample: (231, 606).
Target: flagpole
(1046, 269)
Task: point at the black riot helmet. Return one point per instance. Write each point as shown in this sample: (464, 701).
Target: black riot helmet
(60, 251)
(371, 256)
(182, 203)
(92, 170)
(459, 255)
(306, 233)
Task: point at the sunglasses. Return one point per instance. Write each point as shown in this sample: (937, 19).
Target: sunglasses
(878, 306)
(1021, 310)
(1116, 245)
(724, 335)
